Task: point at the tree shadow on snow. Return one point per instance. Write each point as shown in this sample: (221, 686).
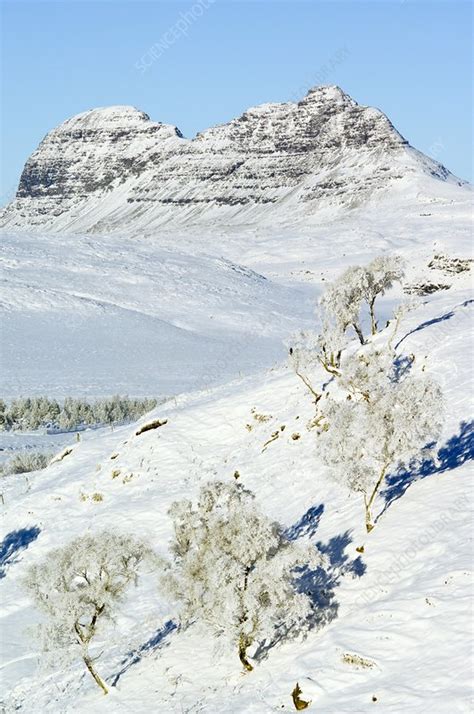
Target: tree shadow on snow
(401, 367)
(13, 543)
(321, 583)
(154, 643)
(307, 524)
(457, 450)
(434, 321)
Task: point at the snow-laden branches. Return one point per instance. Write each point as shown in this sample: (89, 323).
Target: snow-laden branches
(379, 276)
(233, 568)
(342, 302)
(78, 587)
(340, 308)
(380, 419)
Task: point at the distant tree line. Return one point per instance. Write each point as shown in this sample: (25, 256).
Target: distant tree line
(31, 413)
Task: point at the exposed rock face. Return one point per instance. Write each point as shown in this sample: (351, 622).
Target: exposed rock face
(113, 168)
(87, 153)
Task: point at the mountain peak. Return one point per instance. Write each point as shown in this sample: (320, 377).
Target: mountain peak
(114, 116)
(329, 93)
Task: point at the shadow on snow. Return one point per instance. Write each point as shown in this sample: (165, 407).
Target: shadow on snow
(457, 450)
(154, 643)
(434, 321)
(307, 524)
(321, 583)
(13, 543)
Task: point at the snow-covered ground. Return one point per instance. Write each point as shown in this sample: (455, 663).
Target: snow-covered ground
(159, 313)
(86, 316)
(395, 619)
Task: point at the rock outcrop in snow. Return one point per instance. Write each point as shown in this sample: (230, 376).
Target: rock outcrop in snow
(115, 168)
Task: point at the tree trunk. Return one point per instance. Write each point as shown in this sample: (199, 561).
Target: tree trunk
(98, 680)
(368, 516)
(309, 386)
(368, 503)
(372, 317)
(243, 644)
(359, 333)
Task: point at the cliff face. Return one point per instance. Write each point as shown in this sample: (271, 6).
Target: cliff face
(89, 152)
(114, 168)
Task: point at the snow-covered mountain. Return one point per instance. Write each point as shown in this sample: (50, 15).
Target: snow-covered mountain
(115, 169)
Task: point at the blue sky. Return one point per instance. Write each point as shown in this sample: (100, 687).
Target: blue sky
(213, 59)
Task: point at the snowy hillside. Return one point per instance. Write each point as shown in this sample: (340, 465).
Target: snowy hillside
(109, 315)
(393, 631)
(164, 312)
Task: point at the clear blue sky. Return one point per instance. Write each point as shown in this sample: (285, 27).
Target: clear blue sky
(412, 59)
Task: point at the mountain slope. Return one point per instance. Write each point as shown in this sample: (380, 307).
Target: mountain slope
(115, 315)
(395, 619)
(114, 169)
(169, 311)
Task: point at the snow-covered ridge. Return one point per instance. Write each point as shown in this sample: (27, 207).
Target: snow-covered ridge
(114, 168)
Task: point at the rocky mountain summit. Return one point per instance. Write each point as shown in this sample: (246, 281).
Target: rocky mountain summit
(114, 168)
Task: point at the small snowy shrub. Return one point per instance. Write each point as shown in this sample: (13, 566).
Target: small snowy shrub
(233, 568)
(26, 462)
(385, 420)
(78, 587)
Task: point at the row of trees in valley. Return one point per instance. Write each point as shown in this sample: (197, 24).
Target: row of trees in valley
(32, 413)
(231, 566)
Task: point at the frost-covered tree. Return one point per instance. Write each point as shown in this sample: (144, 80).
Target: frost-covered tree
(342, 302)
(233, 568)
(3, 415)
(78, 587)
(385, 420)
(380, 275)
